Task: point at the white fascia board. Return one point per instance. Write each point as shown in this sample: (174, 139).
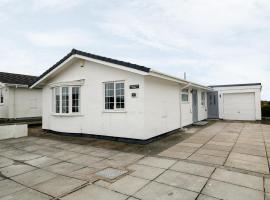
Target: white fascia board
(53, 71)
(166, 77)
(92, 60)
(178, 80)
(112, 65)
(195, 85)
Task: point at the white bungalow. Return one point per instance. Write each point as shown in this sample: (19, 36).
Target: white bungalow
(17, 100)
(92, 95)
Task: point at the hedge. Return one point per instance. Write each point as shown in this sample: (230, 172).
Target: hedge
(266, 110)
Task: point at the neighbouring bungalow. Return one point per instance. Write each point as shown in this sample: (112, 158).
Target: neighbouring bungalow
(87, 94)
(17, 100)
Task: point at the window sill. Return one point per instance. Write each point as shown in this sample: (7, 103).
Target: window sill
(67, 115)
(114, 111)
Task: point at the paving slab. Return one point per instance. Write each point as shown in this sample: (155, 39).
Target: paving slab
(267, 185)
(228, 191)
(130, 157)
(104, 153)
(157, 162)
(246, 180)
(217, 160)
(146, 172)
(4, 162)
(158, 191)
(63, 168)
(33, 177)
(43, 161)
(66, 155)
(205, 197)
(93, 192)
(59, 186)
(86, 174)
(128, 185)
(182, 180)
(195, 169)
(213, 152)
(175, 154)
(248, 162)
(26, 156)
(26, 194)
(8, 187)
(16, 169)
(85, 160)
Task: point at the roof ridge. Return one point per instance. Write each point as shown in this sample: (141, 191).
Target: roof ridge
(93, 56)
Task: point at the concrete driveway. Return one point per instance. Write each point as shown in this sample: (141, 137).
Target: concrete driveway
(221, 161)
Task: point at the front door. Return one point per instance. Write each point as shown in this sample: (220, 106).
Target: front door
(194, 105)
(212, 105)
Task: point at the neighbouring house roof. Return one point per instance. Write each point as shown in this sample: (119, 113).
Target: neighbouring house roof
(85, 55)
(235, 85)
(17, 79)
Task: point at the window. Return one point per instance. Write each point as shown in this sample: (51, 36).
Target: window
(75, 99)
(184, 95)
(1, 96)
(203, 98)
(66, 99)
(114, 96)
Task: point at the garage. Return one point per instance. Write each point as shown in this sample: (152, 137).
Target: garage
(239, 106)
(237, 101)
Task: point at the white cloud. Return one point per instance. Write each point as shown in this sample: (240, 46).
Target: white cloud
(54, 4)
(60, 38)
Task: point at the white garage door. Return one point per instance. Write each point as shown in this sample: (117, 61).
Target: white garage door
(239, 106)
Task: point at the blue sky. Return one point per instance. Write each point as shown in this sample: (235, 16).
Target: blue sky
(214, 42)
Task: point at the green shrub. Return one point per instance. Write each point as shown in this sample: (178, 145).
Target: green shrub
(266, 110)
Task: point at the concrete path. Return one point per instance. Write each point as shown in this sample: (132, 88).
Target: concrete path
(222, 161)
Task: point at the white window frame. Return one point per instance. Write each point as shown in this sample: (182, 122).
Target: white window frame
(2, 94)
(114, 93)
(185, 92)
(203, 98)
(70, 113)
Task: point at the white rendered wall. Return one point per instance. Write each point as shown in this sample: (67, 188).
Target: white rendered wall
(24, 102)
(93, 118)
(162, 106)
(186, 108)
(240, 89)
(5, 105)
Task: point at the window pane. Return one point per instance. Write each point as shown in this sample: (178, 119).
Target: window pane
(65, 100)
(109, 96)
(184, 97)
(57, 99)
(75, 99)
(120, 98)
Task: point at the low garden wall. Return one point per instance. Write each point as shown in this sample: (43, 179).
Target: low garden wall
(13, 131)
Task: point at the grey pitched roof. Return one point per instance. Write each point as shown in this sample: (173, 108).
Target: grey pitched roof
(97, 57)
(19, 79)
